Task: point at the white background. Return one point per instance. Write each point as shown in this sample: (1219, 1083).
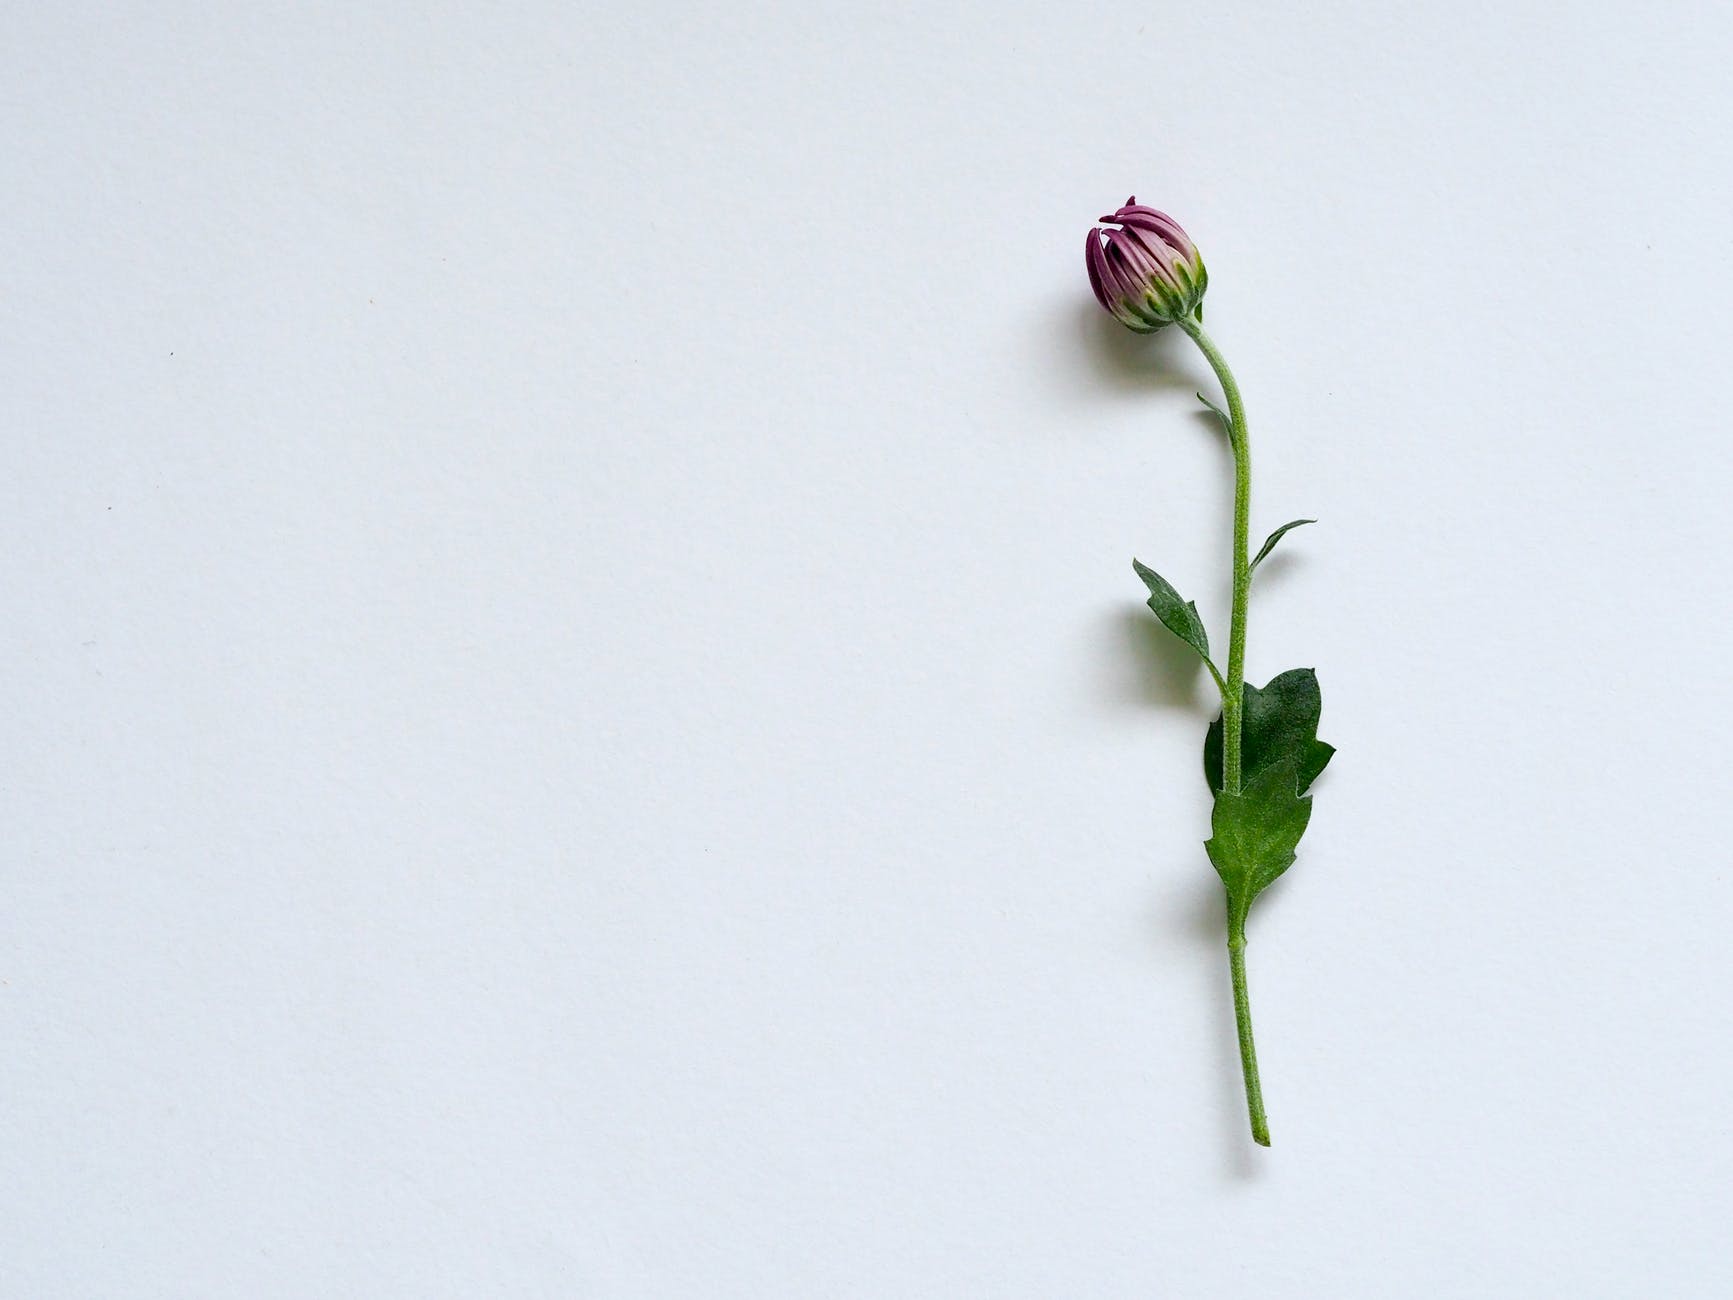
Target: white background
(578, 719)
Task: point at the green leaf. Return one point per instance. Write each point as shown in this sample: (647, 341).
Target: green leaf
(1227, 424)
(1277, 723)
(1178, 616)
(1253, 834)
(1270, 541)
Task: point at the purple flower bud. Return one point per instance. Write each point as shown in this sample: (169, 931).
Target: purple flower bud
(1147, 273)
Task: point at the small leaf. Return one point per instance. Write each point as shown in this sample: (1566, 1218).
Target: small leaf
(1253, 834)
(1270, 541)
(1277, 723)
(1227, 424)
(1178, 616)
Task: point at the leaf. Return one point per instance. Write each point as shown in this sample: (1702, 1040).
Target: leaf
(1253, 834)
(1270, 541)
(1178, 616)
(1227, 424)
(1277, 723)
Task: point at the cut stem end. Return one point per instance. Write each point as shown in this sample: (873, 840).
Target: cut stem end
(1248, 1049)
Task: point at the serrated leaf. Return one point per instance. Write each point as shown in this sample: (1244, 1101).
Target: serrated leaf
(1277, 723)
(1227, 423)
(1178, 616)
(1253, 834)
(1270, 541)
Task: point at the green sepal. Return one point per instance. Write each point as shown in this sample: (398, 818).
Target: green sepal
(1178, 616)
(1253, 834)
(1270, 541)
(1277, 723)
(1227, 423)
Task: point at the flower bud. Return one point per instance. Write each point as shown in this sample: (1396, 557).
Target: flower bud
(1147, 273)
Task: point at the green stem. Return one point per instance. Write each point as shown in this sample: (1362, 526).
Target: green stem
(1233, 691)
(1243, 1023)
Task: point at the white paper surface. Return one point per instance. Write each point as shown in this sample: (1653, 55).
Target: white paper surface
(580, 725)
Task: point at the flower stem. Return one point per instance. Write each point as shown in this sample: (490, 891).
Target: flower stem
(1243, 1023)
(1233, 692)
(1234, 689)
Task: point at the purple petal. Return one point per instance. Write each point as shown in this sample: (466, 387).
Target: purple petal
(1136, 290)
(1159, 256)
(1092, 258)
(1162, 226)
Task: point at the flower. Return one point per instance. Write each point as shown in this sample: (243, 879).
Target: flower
(1147, 273)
